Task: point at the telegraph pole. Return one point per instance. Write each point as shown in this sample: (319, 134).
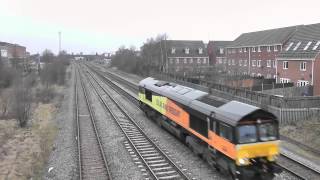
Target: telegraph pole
(59, 42)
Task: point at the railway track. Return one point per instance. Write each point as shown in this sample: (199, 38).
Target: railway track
(91, 159)
(293, 166)
(156, 162)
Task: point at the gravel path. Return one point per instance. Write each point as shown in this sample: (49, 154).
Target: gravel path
(63, 159)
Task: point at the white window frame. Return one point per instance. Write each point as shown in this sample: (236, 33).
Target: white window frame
(244, 49)
(177, 60)
(185, 60)
(301, 83)
(258, 63)
(253, 49)
(284, 80)
(200, 51)
(259, 49)
(240, 50)
(198, 60)
(240, 62)
(285, 64)
(275, 48)
(303, 66)
(254, 63)
(269, 63)
(221, 50)
(187, 50)
(204, 60)
(268, 49)
(173, 50)
(259, 75)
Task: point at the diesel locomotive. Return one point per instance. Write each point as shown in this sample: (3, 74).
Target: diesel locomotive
(233, 137)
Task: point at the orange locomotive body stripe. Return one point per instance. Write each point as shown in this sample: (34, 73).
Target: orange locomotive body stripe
(222, 145)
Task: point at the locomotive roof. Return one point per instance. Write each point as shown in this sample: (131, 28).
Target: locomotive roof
(231, 112)
(181, 94)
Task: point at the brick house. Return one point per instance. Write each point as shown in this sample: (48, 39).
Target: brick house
(185, 57)
(254, 53)
(299, 62)
(217, 53)
(12, 50)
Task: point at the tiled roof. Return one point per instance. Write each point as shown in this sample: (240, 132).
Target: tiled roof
(304, 35)
(220, 44)
(266, 37)
(181, 45)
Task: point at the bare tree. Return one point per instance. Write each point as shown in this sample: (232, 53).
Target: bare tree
(22, 100)
(5, 101)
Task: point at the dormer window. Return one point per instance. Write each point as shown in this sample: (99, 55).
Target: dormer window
(173, 50)
(186, 50)
(200, 50)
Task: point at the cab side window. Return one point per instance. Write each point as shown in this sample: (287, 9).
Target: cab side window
(213, 125)
(225, 131)
(148, 95)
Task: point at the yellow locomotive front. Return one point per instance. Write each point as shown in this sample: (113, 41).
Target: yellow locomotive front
(257, 148)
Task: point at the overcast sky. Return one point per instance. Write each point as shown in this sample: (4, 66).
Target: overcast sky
(104, 25)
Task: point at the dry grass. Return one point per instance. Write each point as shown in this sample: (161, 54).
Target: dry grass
(24, 151)
(306, 132)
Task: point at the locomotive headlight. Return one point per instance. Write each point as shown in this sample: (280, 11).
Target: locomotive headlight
(243, 161)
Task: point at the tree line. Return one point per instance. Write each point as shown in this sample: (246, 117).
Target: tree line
(19, 89)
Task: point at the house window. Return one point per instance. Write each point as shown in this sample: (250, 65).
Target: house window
(198, 61)
(173, 50)
(185, 60)
(307, 46)
(297, 46)
(253, 49)
(244, 49)
(240, 62)
(259, 49)
(171, 61)
(253, 62)
(268, 48)
(284, 80)
(245, 63)
(204, 60)
(285, 64)
(302, 83)
(289, 46)
(274, 63)
(191, 60)
(233, 62)
(187, 50)
(177, 61)
(229, 62)
(275, 48)
(221, 50)
(316, 46)
(200, 50)
(303, 66)
(274, 76)
(268, 63)
(220, 61)
(259, 75)
(240, 50)
(259, 63)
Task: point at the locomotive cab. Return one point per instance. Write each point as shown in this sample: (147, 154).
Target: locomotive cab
(257, 144)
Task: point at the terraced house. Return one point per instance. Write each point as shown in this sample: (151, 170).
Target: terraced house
(217, 53)
(254, 53)
(299, 62)
(185, 57)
